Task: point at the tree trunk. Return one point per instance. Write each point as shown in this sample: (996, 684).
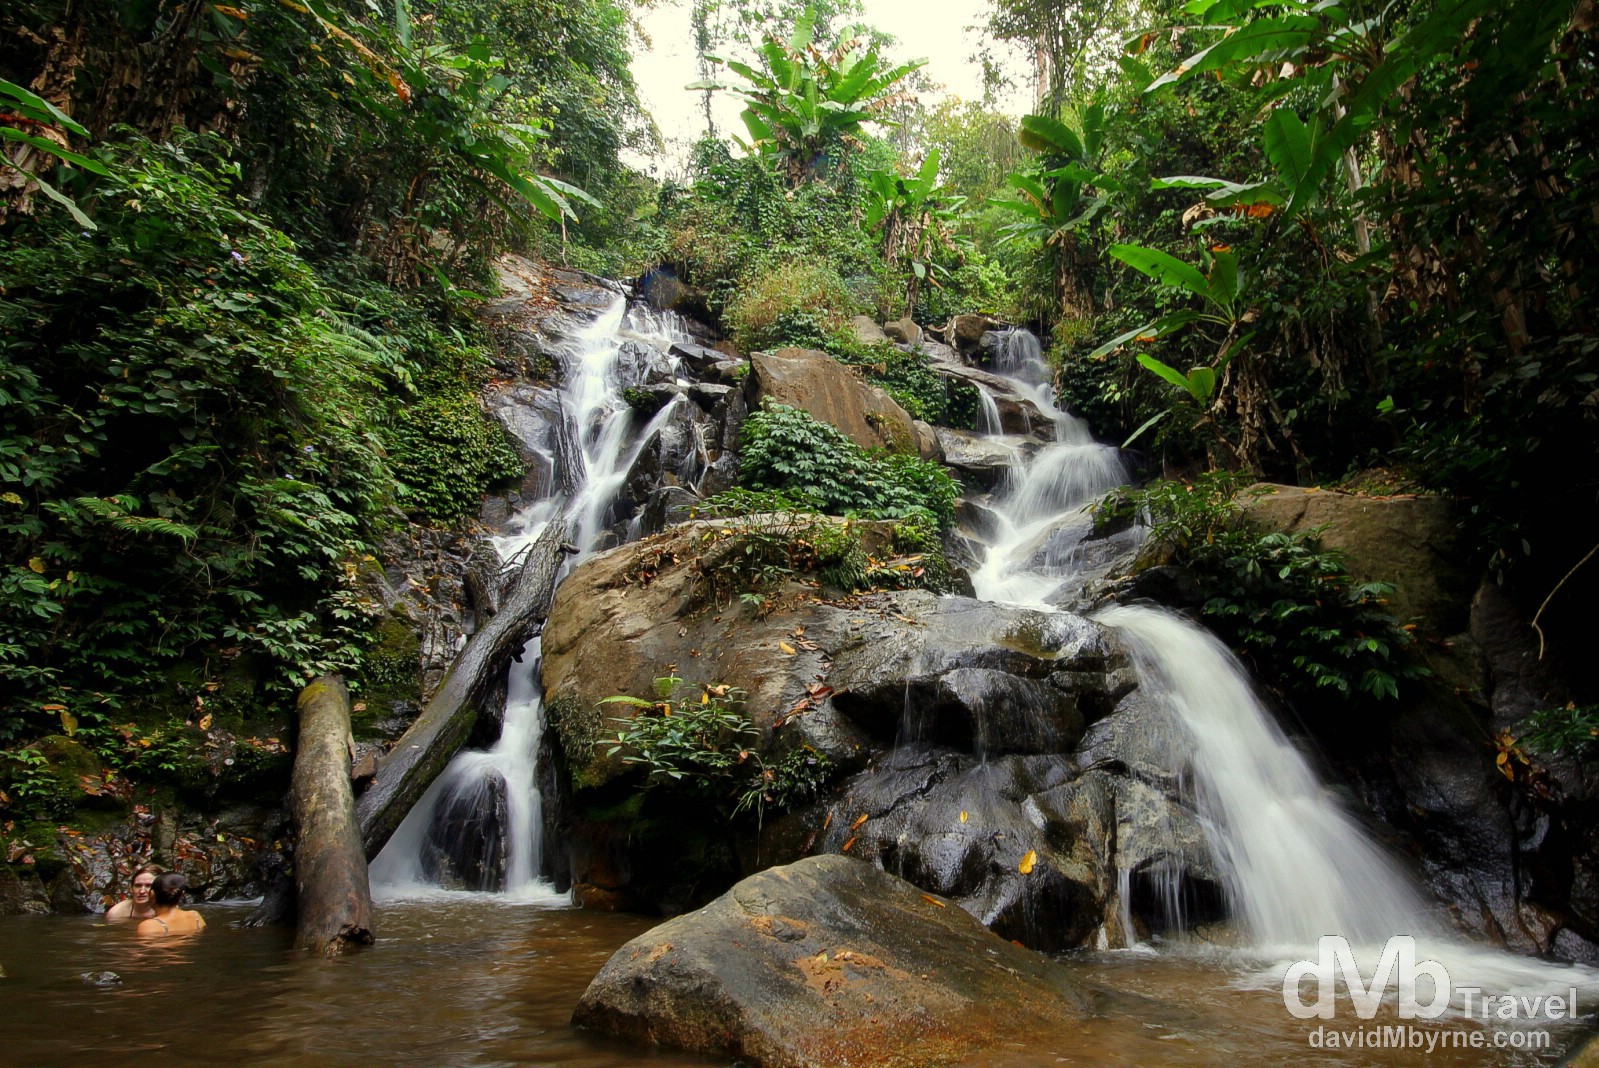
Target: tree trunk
(444, 725)
(330, 878)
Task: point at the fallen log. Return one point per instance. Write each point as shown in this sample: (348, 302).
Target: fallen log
(405, 773)
(333, 898)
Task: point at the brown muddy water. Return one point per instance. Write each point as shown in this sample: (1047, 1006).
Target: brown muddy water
(474, 981)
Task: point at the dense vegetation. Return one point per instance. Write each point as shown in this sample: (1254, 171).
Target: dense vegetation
(232, 361)
(239, 246)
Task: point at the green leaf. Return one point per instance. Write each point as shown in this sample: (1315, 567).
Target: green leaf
(66, 202)
(31, 101)
(1288, 145)
(1147, 423)
(1163, 267)
(46, 145)
(1051, 136)
(402, 23)
(1262, 39)
(1225, 279)
(1168, 372)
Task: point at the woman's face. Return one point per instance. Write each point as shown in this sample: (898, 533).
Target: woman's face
(143, 888)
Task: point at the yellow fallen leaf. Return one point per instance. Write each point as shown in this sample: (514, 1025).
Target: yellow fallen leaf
(787, 648)
(964, 817)
(847, 845)
(860, 820)
(36, 565)
(931, 900)
(1026, 866)
(205, 722)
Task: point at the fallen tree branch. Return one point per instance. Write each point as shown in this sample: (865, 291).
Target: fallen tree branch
(444, 725)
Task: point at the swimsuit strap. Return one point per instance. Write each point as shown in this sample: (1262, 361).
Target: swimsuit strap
(163, 924)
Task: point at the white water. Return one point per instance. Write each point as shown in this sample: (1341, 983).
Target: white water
(597, 443)
(1047, 490)
(1296, 863)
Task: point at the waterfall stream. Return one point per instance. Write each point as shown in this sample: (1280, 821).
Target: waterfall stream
(1296, 864)
(479, 826)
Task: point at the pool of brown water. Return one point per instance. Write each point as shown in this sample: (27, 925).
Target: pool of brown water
(475, 981)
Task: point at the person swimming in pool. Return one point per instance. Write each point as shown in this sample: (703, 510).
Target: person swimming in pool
(137, 905)
(169, 919)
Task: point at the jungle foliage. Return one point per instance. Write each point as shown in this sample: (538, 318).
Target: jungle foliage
(231, 361)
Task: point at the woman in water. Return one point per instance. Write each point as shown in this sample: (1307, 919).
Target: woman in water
(136, 906)
(169, 919)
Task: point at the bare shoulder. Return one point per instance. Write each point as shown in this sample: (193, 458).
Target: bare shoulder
(150, 927)
(199, 922)
(122, 910)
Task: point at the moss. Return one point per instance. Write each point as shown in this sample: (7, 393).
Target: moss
(1028, 639)
(577, 727)
(391, 673)
(628, 810)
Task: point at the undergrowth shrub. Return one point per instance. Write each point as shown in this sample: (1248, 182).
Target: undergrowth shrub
(787, 450)
(789, 303)
(700, 742)
(192, 448)
(1283, 601)
(445, 453)
(909, 379)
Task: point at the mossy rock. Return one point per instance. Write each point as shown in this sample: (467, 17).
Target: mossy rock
(391, 674)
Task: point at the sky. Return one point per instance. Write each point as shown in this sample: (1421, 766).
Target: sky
(940, 31)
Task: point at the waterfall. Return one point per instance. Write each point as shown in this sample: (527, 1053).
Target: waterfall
(1295, 862)
(1047, 492)
(479, 826)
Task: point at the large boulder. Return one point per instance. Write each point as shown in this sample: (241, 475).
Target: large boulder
(976, 670)
(1410, 542)
(826, 962)
(867, 332)
(966, 331)
(815, 382)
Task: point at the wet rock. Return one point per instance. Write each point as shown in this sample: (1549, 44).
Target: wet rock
(828, 962)
(1018, 414)
(816, 383)
(21, 893)
(887, 667)
(928, 447)
(959, 826)
(486, 578)
(667, 507)
(965, 332)
(695, 359)
(711, 398)
(1139, 738)
(100, 979)
(981, 460)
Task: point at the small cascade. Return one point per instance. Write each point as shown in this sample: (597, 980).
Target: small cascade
(1297, 866)
(479, 825)
(1040, 508)
(1293, 862)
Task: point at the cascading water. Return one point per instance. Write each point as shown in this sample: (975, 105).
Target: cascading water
(1295, 863)
(1044, 497)
(479, 825)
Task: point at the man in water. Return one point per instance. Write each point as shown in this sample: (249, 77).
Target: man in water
(169, 919)
(138, 905)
